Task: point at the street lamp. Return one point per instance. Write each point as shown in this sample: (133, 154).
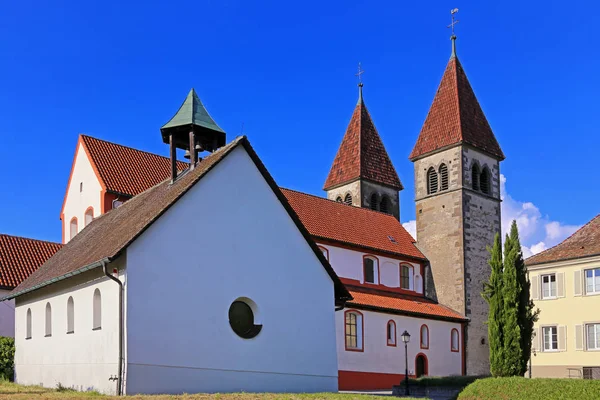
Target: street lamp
(406, 338)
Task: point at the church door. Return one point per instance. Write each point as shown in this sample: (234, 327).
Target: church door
(421, 365)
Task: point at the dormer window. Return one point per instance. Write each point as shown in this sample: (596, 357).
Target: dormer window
(370, 269)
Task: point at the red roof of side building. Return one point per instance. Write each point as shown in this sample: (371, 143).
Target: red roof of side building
(401, 304)
(20, 256)
(354, 226)
(583, 243)
(362, 154)
(126, 170)
(455, 117)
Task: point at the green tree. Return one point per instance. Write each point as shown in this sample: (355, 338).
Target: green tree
(511, 295)
(7, 357)
(493, 295)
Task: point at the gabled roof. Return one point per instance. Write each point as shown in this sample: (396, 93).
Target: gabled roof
(353, 226)
(20, 256)
(583, 243)
(108, 235)
(393, 303)
(125, 170)
(362, 154)
(192, 112)
(455, 117)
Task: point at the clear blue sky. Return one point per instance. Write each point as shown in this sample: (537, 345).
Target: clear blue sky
(119, 70)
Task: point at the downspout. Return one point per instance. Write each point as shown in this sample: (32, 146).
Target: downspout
(118, 281)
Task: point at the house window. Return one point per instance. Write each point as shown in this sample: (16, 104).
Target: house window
(89, 216)
(549, 286)
(444, 177)
(593, 336)
(242, 315)
(48, 320)
(484, 181)
(353, 331)
(550, 337)
(432, 181)
(28, 325)
(475, 177)
(70, 315)
(73, 228)
(97, 311)
(369, 269)
(454, 346)
(391, 333)
(424, 337)
(592, 281)
(348, 199)
(373, 201)
(405, 275)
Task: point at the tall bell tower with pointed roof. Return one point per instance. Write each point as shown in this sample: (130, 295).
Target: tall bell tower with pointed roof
(457, 194)
(362, 173)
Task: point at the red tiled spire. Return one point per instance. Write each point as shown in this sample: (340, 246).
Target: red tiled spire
(362, 154)
(455, 117)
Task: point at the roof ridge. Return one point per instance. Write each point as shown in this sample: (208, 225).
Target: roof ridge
(456, 64)
(128, 147)
(27, 238)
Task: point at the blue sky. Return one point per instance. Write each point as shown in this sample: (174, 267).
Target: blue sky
(285, 70)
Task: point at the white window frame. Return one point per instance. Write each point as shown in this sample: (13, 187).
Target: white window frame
(555, 333)
(550, 296)
(597, 332)
(595, 275)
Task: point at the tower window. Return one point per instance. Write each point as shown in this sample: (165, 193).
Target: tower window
(475, 177)
(432, 181)
(385, 206)
(374, 201)
(369, 269)
(444, 177)
(348, 199)
(484, 181)
(339, 199)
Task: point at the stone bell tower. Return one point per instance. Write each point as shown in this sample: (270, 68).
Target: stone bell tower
(457, 194)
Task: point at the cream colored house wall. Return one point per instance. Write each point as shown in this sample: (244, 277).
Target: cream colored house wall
(567, 310)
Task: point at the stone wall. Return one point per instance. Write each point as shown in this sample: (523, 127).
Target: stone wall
(368, 188)
(341, 191)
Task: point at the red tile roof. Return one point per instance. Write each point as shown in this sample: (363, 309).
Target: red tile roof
(455, 117)
(362, 154)
(20, 256)
(354, 226)
(126, 170)
(583, 243)
(401, 304)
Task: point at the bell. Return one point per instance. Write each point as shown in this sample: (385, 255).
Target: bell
(187, 154)
(199, 148)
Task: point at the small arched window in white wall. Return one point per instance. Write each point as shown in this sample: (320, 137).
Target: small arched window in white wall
(97, 317)
(48, 320)
(70, 315)
(89, 216)
(424, 337)
(28, 325)
(73, 228)
(406, 277)
(454, 340)
(391, 333)
(370, 269)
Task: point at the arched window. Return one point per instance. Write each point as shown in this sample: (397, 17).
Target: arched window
(484, 181)
(424, 337)
(385, 206)
(391, 333)
(443, 177)
(475, 177)
(48, 320)
(339, 199)
(28, 325)
(348, 199)
(354, 331)
(70, 315)
(454, 346)
(432, 181)
(97, 317)
(73, 228)
(89, 216)
(406, 272)
(373, 202)
(370, 269)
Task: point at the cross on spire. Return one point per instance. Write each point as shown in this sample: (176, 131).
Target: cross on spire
(451, 26)
(359, 74)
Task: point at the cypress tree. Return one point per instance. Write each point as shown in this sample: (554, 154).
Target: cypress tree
(493, 295)
(511, 295)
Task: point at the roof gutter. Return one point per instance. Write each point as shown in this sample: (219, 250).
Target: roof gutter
(121, 325)
(58, 279)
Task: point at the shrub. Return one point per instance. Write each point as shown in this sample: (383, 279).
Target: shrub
(7, 358)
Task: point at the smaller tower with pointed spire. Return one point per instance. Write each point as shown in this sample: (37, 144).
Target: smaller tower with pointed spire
(362, 173)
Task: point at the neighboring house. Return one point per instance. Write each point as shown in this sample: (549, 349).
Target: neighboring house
(19, 257)
(565, 286)
(184, 288)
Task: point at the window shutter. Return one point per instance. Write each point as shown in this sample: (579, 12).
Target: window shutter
(535, 287)
(578, 337)
(577, 283)
(560, 284)
(562, 338)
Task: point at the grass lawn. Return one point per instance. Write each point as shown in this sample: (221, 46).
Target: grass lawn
(531, 389)
(11, 391)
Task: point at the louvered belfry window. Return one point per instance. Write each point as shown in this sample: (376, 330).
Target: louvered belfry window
(475, 177)
(484, 181)
(348, 199)
(384, 207)
(444, 177)
(432, 181)
(374, 201)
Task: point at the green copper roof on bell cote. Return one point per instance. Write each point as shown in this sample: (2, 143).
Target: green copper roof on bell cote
(192, 112)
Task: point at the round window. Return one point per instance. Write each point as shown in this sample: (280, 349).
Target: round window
(241, 319)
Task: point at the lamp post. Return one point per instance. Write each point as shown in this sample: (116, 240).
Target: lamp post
(406, 338)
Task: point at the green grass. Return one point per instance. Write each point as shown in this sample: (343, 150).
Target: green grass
(531, 389)
(12, 391)
(446, 381)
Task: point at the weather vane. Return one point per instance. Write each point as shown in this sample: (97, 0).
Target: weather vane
(454, 21)
(359, 74)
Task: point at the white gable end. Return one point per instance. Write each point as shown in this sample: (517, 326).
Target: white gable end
(229, 237)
